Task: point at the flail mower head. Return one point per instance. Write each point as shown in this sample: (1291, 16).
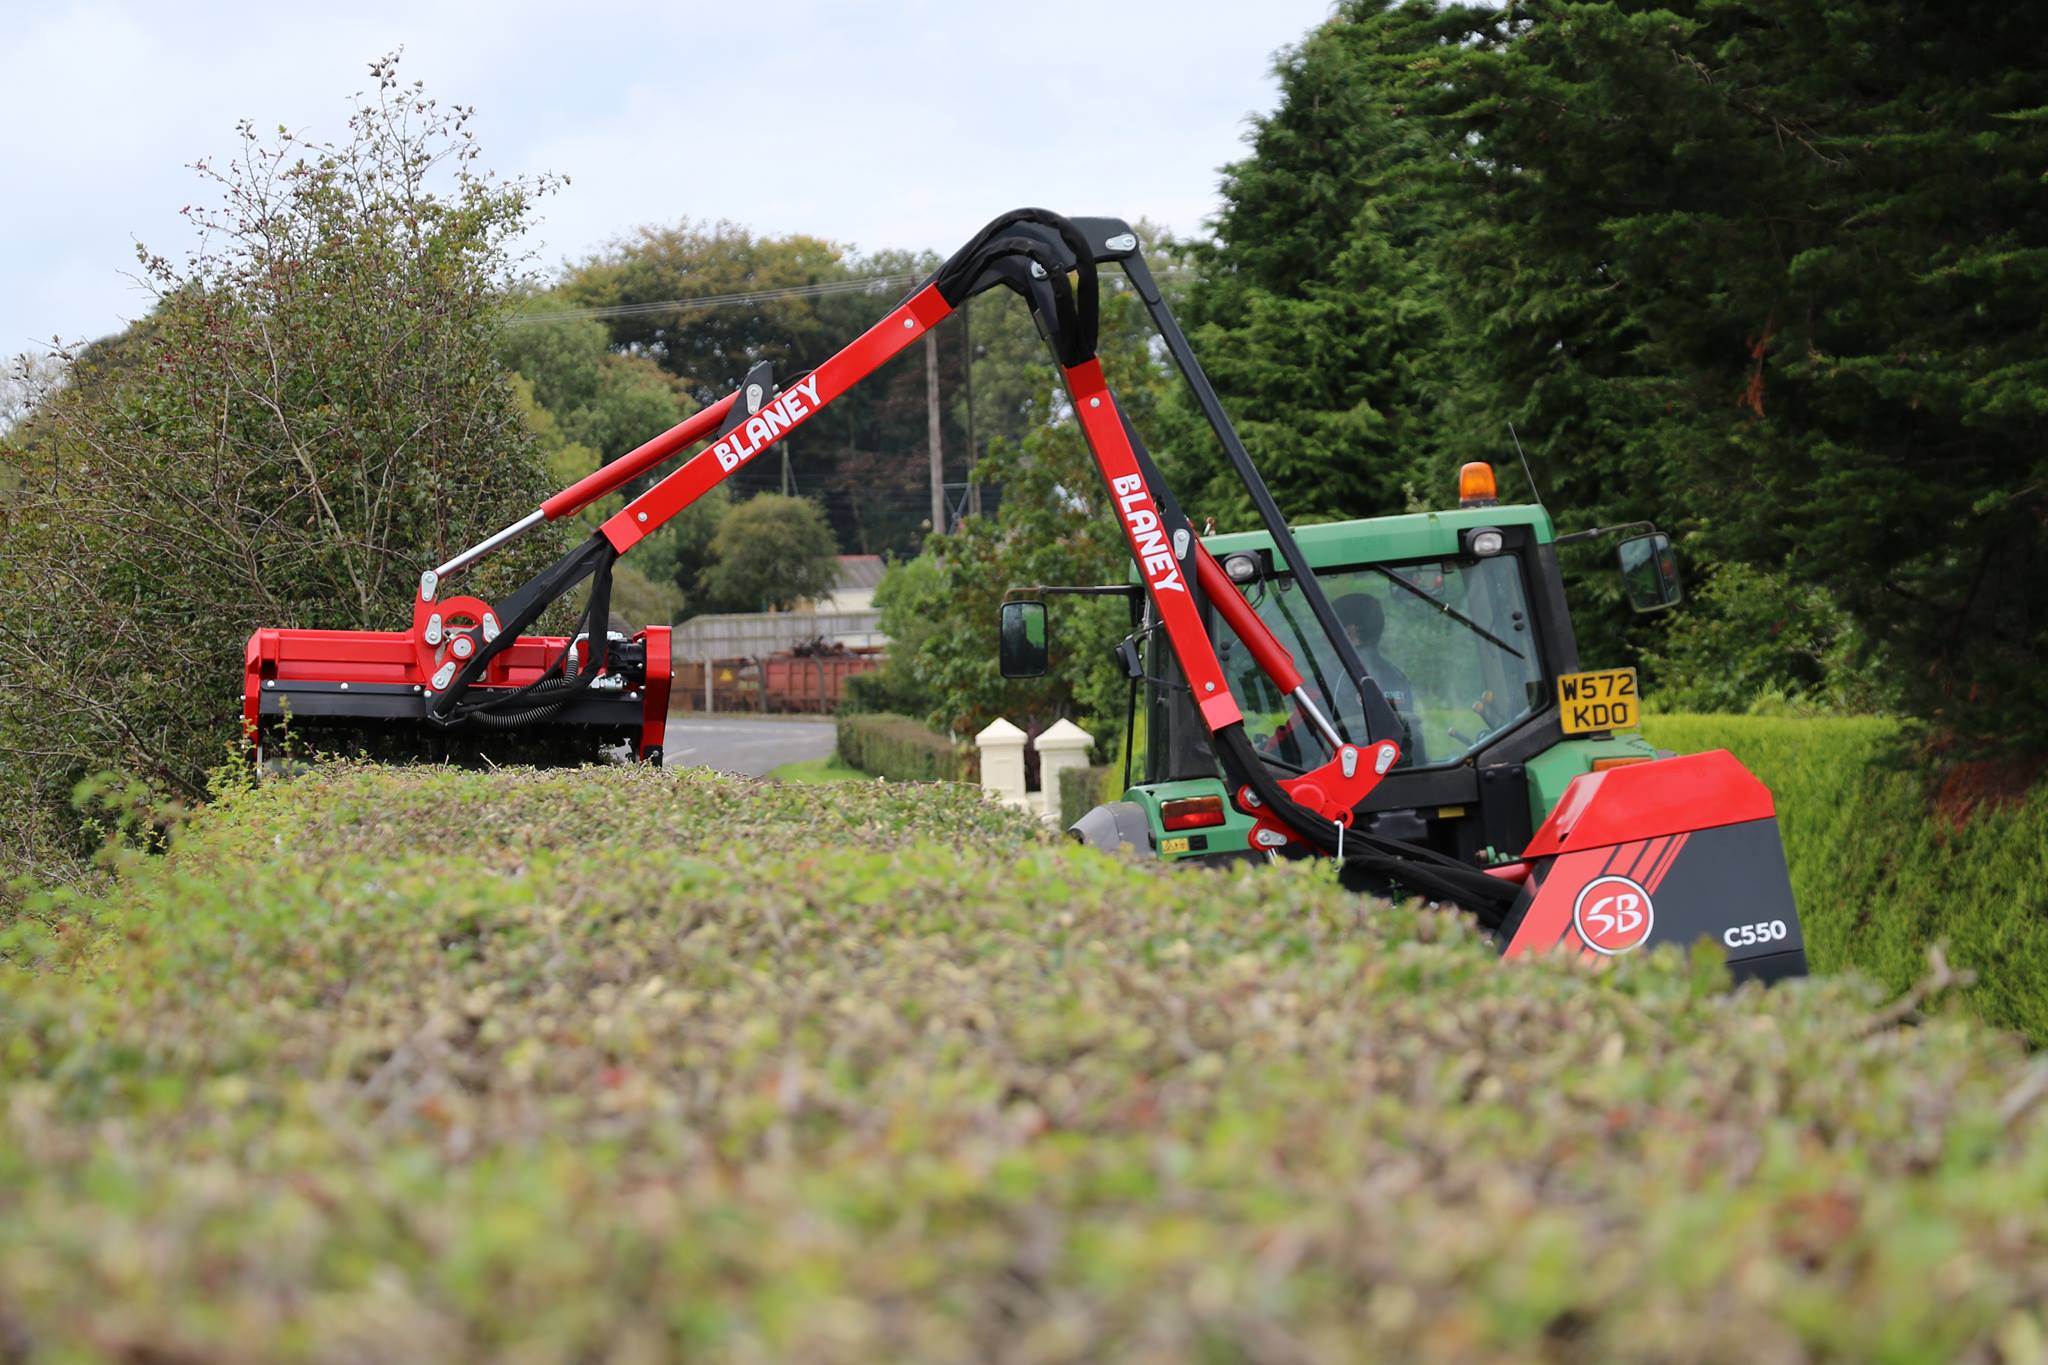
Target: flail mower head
(365, 692)
(461, 686)
(1671, 851)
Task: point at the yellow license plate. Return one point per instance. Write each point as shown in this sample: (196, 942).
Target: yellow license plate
(1601, 700)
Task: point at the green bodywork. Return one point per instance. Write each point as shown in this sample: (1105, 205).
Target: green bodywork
(1235, 832)
(1333, 545)
(1551, 771)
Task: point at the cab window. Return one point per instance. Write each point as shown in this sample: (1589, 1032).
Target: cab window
(1451, 643)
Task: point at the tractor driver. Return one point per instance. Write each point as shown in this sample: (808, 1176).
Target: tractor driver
(1364, 619)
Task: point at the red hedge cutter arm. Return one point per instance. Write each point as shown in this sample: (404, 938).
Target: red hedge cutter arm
(1044, 257)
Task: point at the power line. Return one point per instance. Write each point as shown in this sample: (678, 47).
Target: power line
(863, 284)
(822, 289)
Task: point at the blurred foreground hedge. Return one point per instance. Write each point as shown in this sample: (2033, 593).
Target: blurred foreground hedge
(624, 1065)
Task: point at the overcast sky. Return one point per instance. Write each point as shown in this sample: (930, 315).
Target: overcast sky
(878, 125)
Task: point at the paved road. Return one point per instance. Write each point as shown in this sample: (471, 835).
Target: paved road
(738, 745)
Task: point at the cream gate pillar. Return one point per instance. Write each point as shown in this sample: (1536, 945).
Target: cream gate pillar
(1002, 763)
(1062, 746)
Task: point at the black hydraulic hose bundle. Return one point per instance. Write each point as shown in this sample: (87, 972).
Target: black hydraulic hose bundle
(546, 696)
(977, 265)
(1420, 869)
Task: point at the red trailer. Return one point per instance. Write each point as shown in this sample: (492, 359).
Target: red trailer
(812, 682)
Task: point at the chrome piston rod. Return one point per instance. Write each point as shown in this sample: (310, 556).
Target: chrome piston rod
(491, 542)
(1318, 719)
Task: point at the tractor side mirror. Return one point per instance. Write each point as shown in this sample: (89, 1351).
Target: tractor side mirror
(1649, 572)
(1022, 640)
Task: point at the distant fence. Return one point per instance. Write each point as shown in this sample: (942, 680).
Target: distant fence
(756, 635)
(777, 683)
(779, 661)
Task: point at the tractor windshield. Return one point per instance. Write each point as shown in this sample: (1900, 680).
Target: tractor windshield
(1451, 643)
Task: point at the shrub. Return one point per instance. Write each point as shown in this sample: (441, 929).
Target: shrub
(1752, 634)
(1083, 789)
(644, 1064)
(1879, 874)
(310, 416)
(902, 749)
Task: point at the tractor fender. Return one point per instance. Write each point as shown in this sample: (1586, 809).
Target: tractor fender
(1120, 824)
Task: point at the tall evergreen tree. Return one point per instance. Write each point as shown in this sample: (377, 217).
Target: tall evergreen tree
(1782, 265)
(1315, 311)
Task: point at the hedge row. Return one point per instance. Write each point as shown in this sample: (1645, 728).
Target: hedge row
(1879, 875)
(1083, 789)
(630, 1064)
(903, 750)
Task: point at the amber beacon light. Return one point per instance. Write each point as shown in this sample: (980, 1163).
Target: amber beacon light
(1475, 485)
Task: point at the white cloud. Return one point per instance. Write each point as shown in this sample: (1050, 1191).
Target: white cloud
(880, 125)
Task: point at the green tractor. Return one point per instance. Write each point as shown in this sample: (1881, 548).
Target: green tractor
(1461, 618)
(1404, 695)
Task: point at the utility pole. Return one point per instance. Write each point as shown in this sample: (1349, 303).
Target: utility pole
(967, 379)
(931, 413)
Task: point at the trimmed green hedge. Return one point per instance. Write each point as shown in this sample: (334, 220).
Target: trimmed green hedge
(1878, 875)
(1083, 789)
(652, 1064)
(903, 750)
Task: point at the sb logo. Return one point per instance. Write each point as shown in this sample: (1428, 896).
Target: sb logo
(1613, 914)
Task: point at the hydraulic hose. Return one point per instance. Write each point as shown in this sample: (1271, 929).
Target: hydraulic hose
(1421, 869)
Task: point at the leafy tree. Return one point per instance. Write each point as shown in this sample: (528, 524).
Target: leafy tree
(312, 412)
(562, 358)
(1755, 636)
(679, 553)
(711, 347)
(875, 477)
(588, 405)
(644, 588)
(770, 553)
(635, 402)
(707, 302)
(601, 399)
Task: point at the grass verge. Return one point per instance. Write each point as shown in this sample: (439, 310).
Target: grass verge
(810, 771)
(627, 1064)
